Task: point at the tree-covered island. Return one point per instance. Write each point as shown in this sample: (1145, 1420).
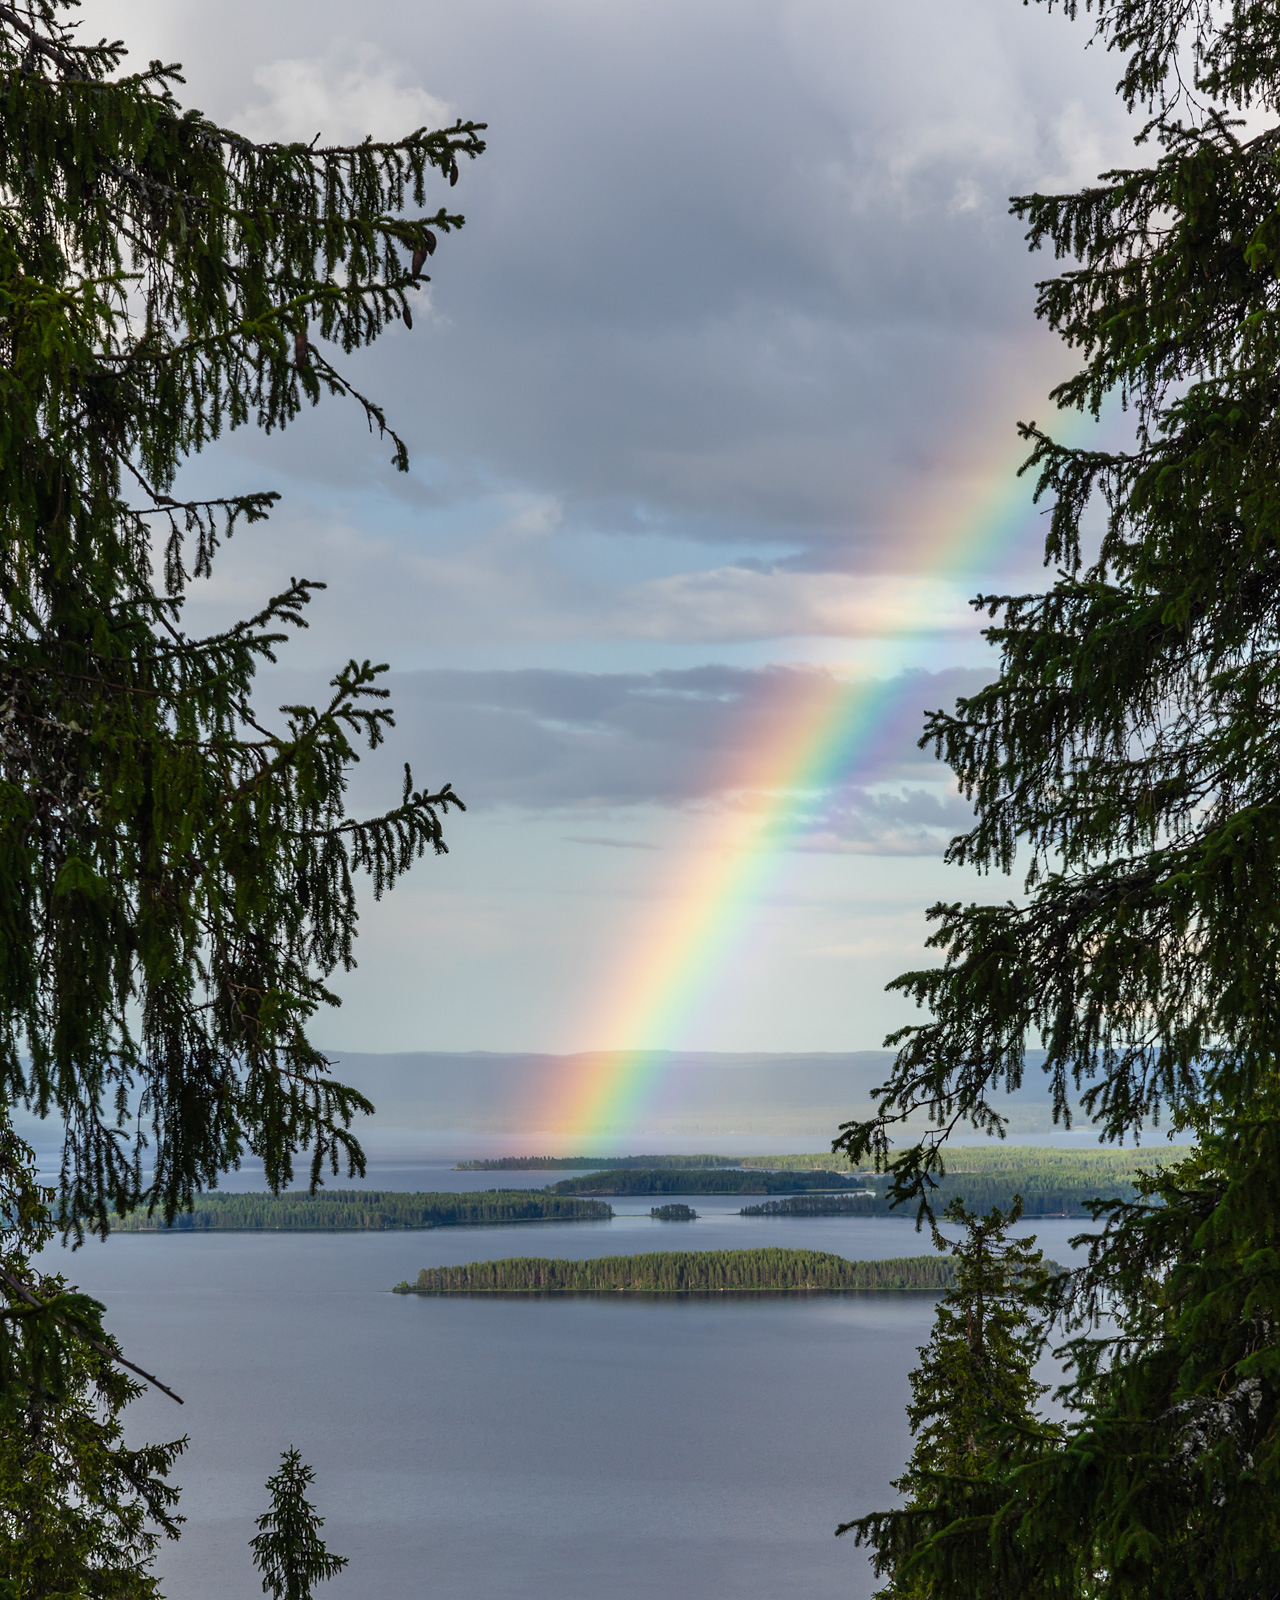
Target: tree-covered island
(366, 1210)
(685, 1272)
(674, 1212)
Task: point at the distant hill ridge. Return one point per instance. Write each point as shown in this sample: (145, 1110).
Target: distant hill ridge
(993, 1156)
(570, 1163)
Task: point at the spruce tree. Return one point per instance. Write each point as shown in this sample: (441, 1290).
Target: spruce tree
(1126, 753)
(973, 1408)
(1167, 1478)
(288, 1549)
(81, 1513)
(177, 867)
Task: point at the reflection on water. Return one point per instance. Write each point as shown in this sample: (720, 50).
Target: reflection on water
(520, 1447)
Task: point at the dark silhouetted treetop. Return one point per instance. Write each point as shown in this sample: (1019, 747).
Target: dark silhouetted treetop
(176, 871)
(81, 1512)
(1128, 747)
(674, 1213)
(1130, 750)
(974, 1402)
(288, 1550)
(685, 1272)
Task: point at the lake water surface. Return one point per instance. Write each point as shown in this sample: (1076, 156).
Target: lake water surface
(511, 1449)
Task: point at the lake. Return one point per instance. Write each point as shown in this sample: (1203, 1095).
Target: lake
(507, 1449)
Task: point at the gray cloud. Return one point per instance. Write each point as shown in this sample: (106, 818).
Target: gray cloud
(733, 271)
(613, 844)
(727, 361)
(548, 741)
(911, 822)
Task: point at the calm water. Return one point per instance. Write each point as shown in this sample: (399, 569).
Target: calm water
(542, 1449)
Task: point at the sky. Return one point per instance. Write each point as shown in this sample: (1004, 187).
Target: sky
(712, 412)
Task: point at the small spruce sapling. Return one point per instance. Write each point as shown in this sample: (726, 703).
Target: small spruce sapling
(288, 1550)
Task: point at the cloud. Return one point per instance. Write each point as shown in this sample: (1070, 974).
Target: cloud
(350, 92)
(727, 358)
(733, 272)
(742, 603)
(613, 844)
(910, 822)
(540, 742)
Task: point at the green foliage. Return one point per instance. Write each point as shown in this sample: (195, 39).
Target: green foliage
(367, 1210)
(665, 1180)
(177, 871)
(1128, 750)
(176, 876)
(288, 1549)
(684, 1272)
(1127, 745)
(674, 1213)
(1165, 1482)
(81, 1514)
(973, 1410)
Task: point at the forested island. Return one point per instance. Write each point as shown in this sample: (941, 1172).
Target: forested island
(686, 1272)
(674, 1213)
(663, 1180)
(366, 1210)
(821, 1205)
(1051, 1182)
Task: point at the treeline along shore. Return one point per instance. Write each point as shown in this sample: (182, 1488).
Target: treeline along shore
(663, 1180)
(367, 1210)
(685, 1272)
(979, 1193)
(1052, 1182)
(994, 1156)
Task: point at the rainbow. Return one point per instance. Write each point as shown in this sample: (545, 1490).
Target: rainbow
(843, 732)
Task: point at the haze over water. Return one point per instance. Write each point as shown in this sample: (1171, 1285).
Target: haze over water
(545, 1449)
